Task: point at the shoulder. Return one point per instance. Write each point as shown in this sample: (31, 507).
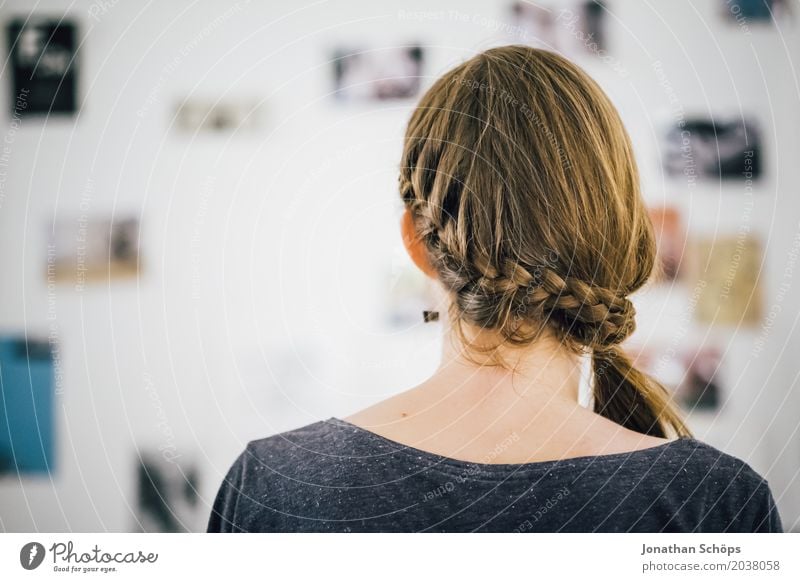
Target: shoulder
(300, 451)
(269, 470)
(326, 452)
(311, 437)
(716, 466)
(705, 465)
(737, 497)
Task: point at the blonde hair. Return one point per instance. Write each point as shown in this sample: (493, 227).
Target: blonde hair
(522, 185)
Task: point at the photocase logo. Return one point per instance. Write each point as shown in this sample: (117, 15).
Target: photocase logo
(31, 555)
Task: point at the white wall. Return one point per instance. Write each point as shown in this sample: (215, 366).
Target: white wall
(258, 307)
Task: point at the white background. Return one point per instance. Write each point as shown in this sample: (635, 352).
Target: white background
(265, 256)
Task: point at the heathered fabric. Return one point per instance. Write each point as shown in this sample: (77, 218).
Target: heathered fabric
(332, 476)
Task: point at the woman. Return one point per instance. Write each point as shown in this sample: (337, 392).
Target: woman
(522, 202)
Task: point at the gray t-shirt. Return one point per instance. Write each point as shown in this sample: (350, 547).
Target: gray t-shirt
(332, 476)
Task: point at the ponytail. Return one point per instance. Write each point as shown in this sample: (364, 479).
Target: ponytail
(629, 397)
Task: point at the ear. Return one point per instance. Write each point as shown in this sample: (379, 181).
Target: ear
(415, 247)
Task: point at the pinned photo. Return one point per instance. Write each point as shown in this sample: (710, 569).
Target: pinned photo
(691, 372)
(726, 274)
(712, 149)
(378, 74)
(670, 242)
(27, 417)
(756, 11)
(570, 27)
(86, 250)
(700, 388)
(197, 115)
(43, 65)
(167, 494)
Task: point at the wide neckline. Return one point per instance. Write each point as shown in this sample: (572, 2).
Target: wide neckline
(504, 467)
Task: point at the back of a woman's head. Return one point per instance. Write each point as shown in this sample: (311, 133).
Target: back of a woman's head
(522, 184)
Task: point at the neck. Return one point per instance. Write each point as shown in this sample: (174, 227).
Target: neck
(542, 373)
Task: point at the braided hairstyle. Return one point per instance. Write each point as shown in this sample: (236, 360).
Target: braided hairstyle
(522, 184)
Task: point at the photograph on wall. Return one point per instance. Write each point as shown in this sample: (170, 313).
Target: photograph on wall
(167, 499)
(84, 250)
(713, 149)
(670, 242)
(198, 115)
(726, 273)
(378, 74)
(689, 372)
(43, 66)
(573, 27)
(27, 380)
(700, 388)
(756, 11)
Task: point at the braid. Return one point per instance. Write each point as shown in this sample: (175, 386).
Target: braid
(595, 316)
(488, 293)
